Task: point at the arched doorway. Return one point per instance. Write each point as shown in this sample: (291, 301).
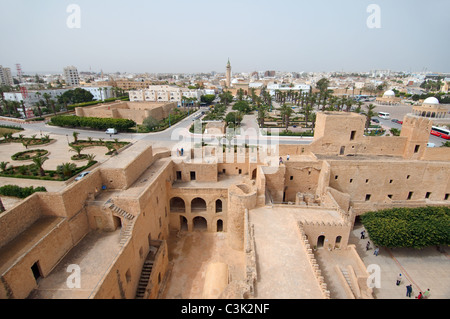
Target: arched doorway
(218, 206)
(219, 225)
(338, 242)
(198, 204)
(177, 205)
(183, 223)
(320, 241)
(200, 223)
(254, 174)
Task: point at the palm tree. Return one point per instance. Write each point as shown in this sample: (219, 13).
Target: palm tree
(39, 108)
(23, 108)
(90, 158)
(262, 113)
(3, 166)
(369, 114)
(39, 161)
(348, 104)
(75, 137)
(307, 109)
(286, 112)
(77, 149)
(47, 98)
(66, 169)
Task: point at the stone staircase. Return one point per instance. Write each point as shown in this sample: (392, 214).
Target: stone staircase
(144, 279)
(129, 218)
(120, 212)
(347, 278)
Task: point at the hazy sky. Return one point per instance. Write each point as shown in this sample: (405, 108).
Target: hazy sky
(199, 35)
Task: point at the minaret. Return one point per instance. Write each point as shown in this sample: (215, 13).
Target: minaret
(228, 73)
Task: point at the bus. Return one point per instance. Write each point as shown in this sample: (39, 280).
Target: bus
(384, 115)
(440, 132)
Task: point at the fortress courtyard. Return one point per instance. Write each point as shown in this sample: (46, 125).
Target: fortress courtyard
(148, 223)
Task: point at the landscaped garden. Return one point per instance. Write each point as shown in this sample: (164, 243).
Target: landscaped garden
(38, 156)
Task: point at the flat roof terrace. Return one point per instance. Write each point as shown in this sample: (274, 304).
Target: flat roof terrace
(94, 254)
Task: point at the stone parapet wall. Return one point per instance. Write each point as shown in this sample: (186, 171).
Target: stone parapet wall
(313, 262)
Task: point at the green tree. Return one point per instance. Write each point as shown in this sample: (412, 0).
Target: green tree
(75, 137)
(77, 149)
(369, 113)
(66, 169)
(150, 123)
(75, 96)
(242, 106)
(226, 97)
(208, 98)
(286, 112)
(39, 162)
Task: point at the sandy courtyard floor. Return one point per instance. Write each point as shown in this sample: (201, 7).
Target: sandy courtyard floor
(191, 254)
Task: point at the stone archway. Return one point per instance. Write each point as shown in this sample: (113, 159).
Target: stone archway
(320, 241)
(183, 223)
(219, 207)
(254, 174)
(198, 205)
(219, 225)
(177, 205)
(338, 242)
(200, 223)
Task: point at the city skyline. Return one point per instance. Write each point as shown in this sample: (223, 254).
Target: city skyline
(199, 36)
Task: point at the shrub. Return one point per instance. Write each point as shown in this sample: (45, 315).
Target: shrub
(21, 192)
(121, 125)
(409, 227)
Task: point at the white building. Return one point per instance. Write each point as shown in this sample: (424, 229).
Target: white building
(164, 93)
(71, 76)
(302, 88)
(99, 93)
(5, 76)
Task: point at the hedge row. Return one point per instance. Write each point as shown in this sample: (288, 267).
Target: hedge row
(121, 125)
(21, 192)
(409, 227)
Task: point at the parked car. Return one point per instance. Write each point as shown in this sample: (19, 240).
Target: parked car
(111, 131)
(376, 120)
(81, 176)
(397, 121)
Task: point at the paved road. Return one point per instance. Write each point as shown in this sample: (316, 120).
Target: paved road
(177, 132)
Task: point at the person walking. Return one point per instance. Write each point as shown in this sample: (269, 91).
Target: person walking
(281, 160)
(363, 234)
(426, 294)
(288, 157)
(376, 251)
(409, 290)
(420, 296)
(368, 246)
(399, 279)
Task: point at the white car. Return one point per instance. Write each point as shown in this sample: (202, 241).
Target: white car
(111, 131)
(81, 176)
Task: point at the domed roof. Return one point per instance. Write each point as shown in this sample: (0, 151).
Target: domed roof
(431, 100)
(389, 93)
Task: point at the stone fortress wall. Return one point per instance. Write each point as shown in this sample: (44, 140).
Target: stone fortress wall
(145, 194)
(136, 111)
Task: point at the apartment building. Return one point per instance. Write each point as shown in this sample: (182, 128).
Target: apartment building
(164, 93)
(71, 76)
(5, 76)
